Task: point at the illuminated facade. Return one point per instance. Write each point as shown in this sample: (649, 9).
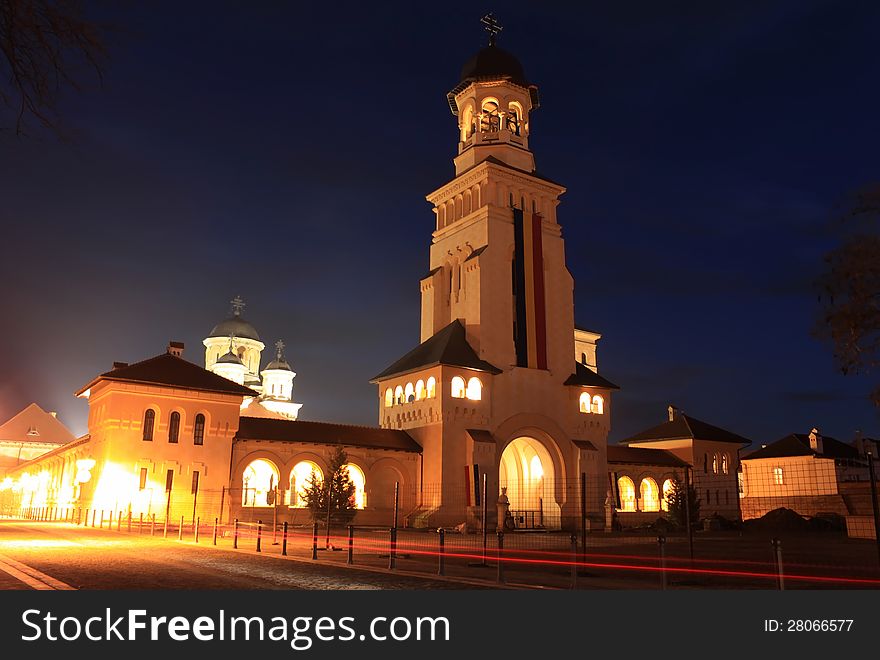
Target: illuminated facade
(503, 385)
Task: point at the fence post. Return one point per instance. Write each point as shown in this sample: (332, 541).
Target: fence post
(153, 525)
(259, 534)
(351, 544)
(315, 540)
(119, 521)
(485, 519)
(110, 524)
(129, 522)
(441, 535)
(392, 547)
(102, 519)
(661, 543)
(180, 530)
(215, 532)
(198, 522)
(165, 528)
(284, 540)
(687, 512)
(777, 556)
(874, 503)
(584, 517)
(500, 576)
(235, 534)
(574, 560)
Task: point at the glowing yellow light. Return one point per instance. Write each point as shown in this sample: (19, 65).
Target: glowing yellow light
(536, 469)
(83, 470)
(6, 484)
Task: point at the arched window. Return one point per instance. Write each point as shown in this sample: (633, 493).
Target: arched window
(668, 487)
(598, 404)
(467, 123)
(360, 482)
(627, 491)
(409, 393)
(259, 481)
(398, 395)
(174, 427)
(199, 430)
(389, 398)
(458, 387)
(584, 359)
(714, 463)
(490, 120)
(431, 388)
(420, 390)
(650, 495)
(584, 402)
(474, 389)
(300, 478)
(725, 464)
(149, 422)
(514, 118)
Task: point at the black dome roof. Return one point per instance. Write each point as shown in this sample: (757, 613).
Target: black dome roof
(494, 63)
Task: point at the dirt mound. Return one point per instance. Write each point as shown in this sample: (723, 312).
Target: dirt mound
(780, 520)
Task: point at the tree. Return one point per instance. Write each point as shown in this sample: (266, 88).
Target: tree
(43, 44)
(849, 289)
(676, 502)
(338, 486)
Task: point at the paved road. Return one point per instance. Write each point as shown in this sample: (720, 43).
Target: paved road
(57, 555)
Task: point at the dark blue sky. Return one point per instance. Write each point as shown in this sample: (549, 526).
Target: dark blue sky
(282, 151)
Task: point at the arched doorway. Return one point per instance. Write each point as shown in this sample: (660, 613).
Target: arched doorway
(527, 471)
(259, 483)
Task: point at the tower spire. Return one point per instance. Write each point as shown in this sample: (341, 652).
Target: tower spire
(492, 26)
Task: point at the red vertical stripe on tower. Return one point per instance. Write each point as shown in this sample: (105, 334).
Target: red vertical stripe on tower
(538, 274)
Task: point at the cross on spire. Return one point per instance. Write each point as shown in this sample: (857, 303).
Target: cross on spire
(237, 305)
(232, 342)
(492, 26)
(280, 346)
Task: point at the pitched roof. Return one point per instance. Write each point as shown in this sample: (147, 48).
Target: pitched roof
(324, 433)
(33, 424)
(798, 444)
(586, 377)
(172, 371)
(448, 346)
(684, 426)
(643, 456)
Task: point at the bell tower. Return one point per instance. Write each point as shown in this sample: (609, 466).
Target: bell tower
(493, 102)
(501, 377)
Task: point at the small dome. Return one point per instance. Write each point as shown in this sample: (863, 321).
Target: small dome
(279, 364)
(494, 63)
(235, 325)
(230, 358)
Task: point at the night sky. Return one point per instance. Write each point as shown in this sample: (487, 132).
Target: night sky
(282, 151)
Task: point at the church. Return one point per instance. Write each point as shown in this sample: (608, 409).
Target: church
(503, 392)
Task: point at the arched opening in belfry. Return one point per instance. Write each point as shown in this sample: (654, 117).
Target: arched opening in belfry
(527, 471)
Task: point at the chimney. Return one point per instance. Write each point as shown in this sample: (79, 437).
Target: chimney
(815, 440)
(673, 412)
(175, 348)
(119, 365)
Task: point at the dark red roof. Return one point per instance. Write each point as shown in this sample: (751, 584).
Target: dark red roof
(643, 456)
(325, 433)
(171, 371)
(685, 426)
(448, 346)
(585, 377)
(798, 444)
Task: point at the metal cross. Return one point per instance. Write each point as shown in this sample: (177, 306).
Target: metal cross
(280, 346)
(492, 26)
(237, 305)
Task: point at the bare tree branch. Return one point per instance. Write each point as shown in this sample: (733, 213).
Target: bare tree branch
(43, 46)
